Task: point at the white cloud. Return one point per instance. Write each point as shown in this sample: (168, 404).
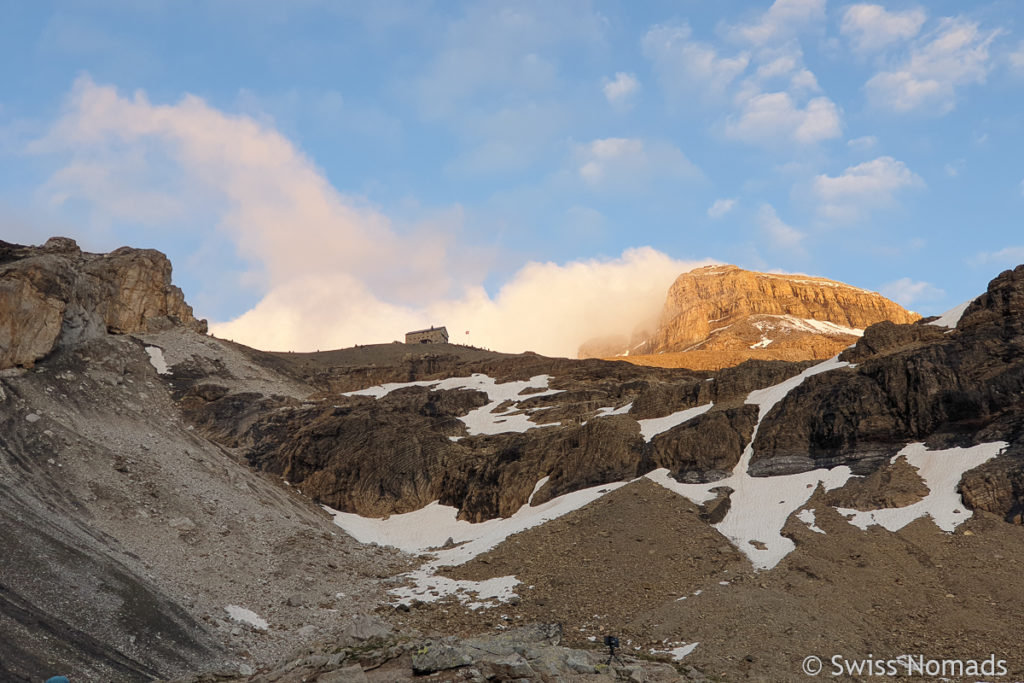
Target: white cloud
(721, 207)
(783, 20)
(781, 235)
(871, 27)
(1007, 256)
(863, 143)
(774, 118)
(630, 162)
(272, 201)
(956, 54)
(1016, 58)
(329, 271)
(552, 308)
(779, 66)
(860, 188)
(907, 292)
(685, 66)
(545, 307)
(803, 81)
(620, 92)
(767, 85)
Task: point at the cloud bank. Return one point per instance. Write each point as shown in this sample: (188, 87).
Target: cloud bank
(331, 271)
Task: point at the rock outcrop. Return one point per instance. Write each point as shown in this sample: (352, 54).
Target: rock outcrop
(526, 653)
(57, 295)
(707, 447)
(946, 387)
(719, 316)
(410, 447)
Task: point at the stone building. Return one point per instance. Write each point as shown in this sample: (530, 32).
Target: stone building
(434, 335)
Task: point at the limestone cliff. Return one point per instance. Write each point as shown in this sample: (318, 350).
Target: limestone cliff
(719, 316)
(57, 295)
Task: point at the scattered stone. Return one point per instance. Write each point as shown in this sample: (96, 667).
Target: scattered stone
(365, 627)
(350, 674)
(182, 525)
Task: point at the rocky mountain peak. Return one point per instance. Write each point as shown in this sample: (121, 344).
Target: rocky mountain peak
(717, 316)
(57, 295)
(709, 299)
(1001, 304)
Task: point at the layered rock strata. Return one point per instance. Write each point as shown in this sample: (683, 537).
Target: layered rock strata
(56, 294)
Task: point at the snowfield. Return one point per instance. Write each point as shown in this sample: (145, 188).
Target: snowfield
(156, 359)
(941, 471)
(951, 318)
(483, 420)
(427, 529)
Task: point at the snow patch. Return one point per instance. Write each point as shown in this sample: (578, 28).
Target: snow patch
(791, 322)
(760, 506)
(677, 653)
(537, 487)
(680, 652)
(656, 425)
(941, 471)
(427, 529)
(807, 517)
(246, 616)
(951, 318)
(429, 587)
(763, 344)
(156, 359)
(483, 420)
(605, 412)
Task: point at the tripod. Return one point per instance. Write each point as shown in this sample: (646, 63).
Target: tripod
(612, 642)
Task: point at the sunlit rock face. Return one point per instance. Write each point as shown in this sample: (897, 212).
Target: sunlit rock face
(719, 316)
(58, 295)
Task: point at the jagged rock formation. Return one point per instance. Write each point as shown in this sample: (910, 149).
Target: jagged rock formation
(911, 383)
(56, 294)
(718, 316)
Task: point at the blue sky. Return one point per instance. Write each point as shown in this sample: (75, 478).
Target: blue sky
(330, 173)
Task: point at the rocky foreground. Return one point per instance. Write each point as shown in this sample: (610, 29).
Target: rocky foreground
(162, 488)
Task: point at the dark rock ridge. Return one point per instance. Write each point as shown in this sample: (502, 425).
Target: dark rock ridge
(407, 449)
(894, 485)
(911, 383)
(707, 447)
(56, 295)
